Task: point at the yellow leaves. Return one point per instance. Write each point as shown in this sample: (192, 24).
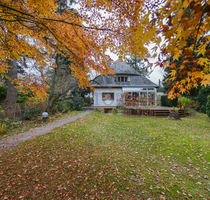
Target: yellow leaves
(185, 3)
(182, 67)
(177, 54)
(206, 80)
(182, 90)
(202, 49)
(158, 40)
(203, 61)
(139, 32)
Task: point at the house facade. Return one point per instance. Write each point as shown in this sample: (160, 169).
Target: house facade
(109, 89)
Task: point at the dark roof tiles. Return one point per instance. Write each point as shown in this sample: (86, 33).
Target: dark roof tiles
(135, 81)
(120, 68)
(123, 68)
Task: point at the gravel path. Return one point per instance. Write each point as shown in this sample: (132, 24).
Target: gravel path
(11, 141)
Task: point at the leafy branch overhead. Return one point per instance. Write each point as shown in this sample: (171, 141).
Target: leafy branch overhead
(84, 35)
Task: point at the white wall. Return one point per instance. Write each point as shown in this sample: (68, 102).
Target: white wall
(98, 96)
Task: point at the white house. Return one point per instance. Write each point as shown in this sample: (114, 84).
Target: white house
(108, 89)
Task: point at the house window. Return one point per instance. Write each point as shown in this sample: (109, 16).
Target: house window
(121, 79)
(135, 95)
(107, 96)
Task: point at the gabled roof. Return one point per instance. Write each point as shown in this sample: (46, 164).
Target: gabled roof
(123, 68)
(120, 68)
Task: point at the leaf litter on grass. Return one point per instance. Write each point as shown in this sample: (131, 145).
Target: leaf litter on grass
(112, 157)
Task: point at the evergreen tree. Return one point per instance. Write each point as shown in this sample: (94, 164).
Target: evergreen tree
(138, 64)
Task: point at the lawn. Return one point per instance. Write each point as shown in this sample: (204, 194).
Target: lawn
(108, 156)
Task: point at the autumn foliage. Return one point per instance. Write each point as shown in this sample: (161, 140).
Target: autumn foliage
(85, 34)
(168, 25)
(35, 30)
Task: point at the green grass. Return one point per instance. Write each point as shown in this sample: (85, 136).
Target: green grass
(106, 156)
(29, 124)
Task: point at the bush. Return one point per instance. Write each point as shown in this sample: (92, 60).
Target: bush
(21, 98)
(36, 102)
(3, 93)
(78, 100)
(3, 128)
(63, 106)
(70, 104)
(208, 106)
(87, 101)
(31, 113)
(201, 99)
(185, 103)
(54, 109)
(168, 102)
(66, 105)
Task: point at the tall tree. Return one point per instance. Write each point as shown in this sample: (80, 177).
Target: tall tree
(138, 64)
(169, 24)
(86, 34)
(60, 80)
(51, 31)
(11, 90)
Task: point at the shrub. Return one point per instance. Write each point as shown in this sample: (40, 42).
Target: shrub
(36, 102)
(31, 113)
(87, 101)
(54, 109)
(21, 98)
(63, 106)
(66, 105)
(168, 102)
(185, 102)
(1, 111)
(3, 128)
(3, 93)
(208, 106)
(78, 100)
(115, 110)
(201, 99)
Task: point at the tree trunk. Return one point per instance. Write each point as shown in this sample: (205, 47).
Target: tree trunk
(52, 88)
(11, 91)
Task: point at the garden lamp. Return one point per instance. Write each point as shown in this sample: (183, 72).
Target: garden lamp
(44, 116)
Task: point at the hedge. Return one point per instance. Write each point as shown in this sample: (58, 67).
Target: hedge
(208, 106)
(168, 102)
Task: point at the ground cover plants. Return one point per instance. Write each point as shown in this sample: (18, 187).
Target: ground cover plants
(25, 125)
(108, 156)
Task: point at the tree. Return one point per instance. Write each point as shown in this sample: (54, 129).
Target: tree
(138, 64)
(36, 29)
(60, 80)
(84, 35)
(168, 25)
(11, 90)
